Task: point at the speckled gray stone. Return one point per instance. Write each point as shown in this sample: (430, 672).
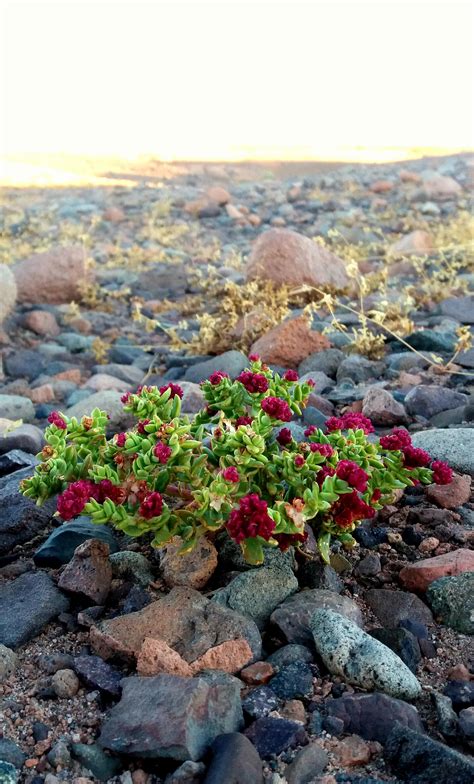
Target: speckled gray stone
(348, 651)
(455, 446)
(257, 593)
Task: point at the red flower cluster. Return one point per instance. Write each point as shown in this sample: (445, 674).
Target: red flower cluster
(250, 519)
(325, 450)
(216, 377)
(291, 375)
(349, 508)
(284, 437)
(349, 421)
(126, 397)
(243, 420)
(255, 383)
(120, 439)
(151, 506)
(231, 474)
(73, 500)
(398, 439)
(141, 426)
(254, 357)
(323, 472)
(277, 408)
(299, 461)
(56, 419)
(162, 452)
(353, 474)
(175, 389)
(310, 430)
(442, 473)
(414, 457)
(285, 541)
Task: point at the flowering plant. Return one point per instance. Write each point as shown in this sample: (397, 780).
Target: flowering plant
(233, 466)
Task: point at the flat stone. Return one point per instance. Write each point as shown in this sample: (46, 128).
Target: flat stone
(95, 673)
(272, 736)
(289, 654)
(314, 574)
(454, 446)
(234, 760)
(59, 547)
(431, 400)
(348, 651)
(256, 593)
(293, 617)
(27, 604)
(171, 717)
(418, 759)
(108, 400)
(184, 619)
(391, 607)
(293, 681)
(372, 716)
(10, 752)
(419, 575)
(259, 702)
(231, 362)
(452, 601)
(20, 518)
(15, 460)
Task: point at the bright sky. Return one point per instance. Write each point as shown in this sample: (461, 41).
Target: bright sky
(226, 80)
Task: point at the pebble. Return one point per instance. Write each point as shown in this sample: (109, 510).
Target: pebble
(271, 736)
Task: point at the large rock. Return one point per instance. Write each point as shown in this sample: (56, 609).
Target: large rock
(452, 601)
(459, 308)
(440, 187)
(9, 292)
(168, 716)
(271, 735)
(418, 759)
(59, 547)
(184, 619)
(372, 716)
(256, 593)
(284, 256)
(27, 604)
(348, 651)
(431, 399)
(289, 343)
(455, 446)
(234, 761)
(418, 576)
(231, 362)
(391, 607)
(55, 277)
(110, 401)
(89, 574)
(20, 518)
(28, 438)
(293, 616)
(16, 407)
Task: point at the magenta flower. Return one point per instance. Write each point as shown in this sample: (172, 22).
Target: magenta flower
(56, 419)
(175, 390)
(353, 474)
(284, 437)
(442, 473)
(398, 439)
(162, 452)
(251, 519)
(276, 408)
(217, 377)
(231, 474)
(291, 375)
(255, 383)
(151, 506)
(350, 421)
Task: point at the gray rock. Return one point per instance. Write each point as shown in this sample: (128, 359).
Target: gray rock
(27, 604)
(20, 518)
(231, 362)
(432, 399)
(260, 702)
(430, 340)
(418, 759)
(391, 607)
(16, 407)
(294, 681)
(372, 716)
(272, 736)
(466, 722)
(235, 760)
(402, 642)
(188, 773)
(348, 651)
(168, 716)
(359, 369)
(455, 446)
(308, 763)
(256, 593)
(8, 773)
(15, 460)
(447, 719)
(452, 601)
(108, 400)
(8, 662)
(59, 547)
(293, 617)
(29, 438)
(129, 373)
(24, 363)
(369, 566)
(289, 654)
(10, 752)
(95, 673)
(315, 574)
(459, 308)
(131, 565)
(321, 382)
(326, 361)
(93, 758)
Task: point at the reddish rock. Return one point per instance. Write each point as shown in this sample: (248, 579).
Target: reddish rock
(457, 493)
(458, 673)
(381, 186)
(351, 751)
(156, 656)
(89, 573)
(72, 374)
(101, 381)
(218, 195)
(234, 213)
(229, 656)
(286, 257)
(418, 576)
(323, 405)
(382, 408)
(417, 243)
(114, 215)
(42, 394)
(428, 545)
(42, 322)
(289, 343)
(254, 220)
(293, 710)
(439, 187)
(258, 673)
(409, 176)
(193, 569)
(54, 277)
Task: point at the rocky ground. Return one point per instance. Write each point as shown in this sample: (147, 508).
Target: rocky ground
(122, 664)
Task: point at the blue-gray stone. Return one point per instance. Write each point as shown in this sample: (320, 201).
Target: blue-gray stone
(452, 601)
(59, 547)
(93, 758)
(27, 604)
(419, 759)
(256, 593)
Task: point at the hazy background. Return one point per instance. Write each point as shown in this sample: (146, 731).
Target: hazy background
(236, 80)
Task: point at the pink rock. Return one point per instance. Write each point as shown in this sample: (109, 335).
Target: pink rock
(289, 343)
(457, 493)
(101, 381)
(89, 573)
(193, 397)
(229, 656)
(42, 394)
(418, 576)
(114, 215)
(381, 186)
(258, 673)
(286, 257)
(42, 322)
(439, 187)
(54, 277)
(156, 656)
(417, 243)
(380, 406)
(218, 195)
